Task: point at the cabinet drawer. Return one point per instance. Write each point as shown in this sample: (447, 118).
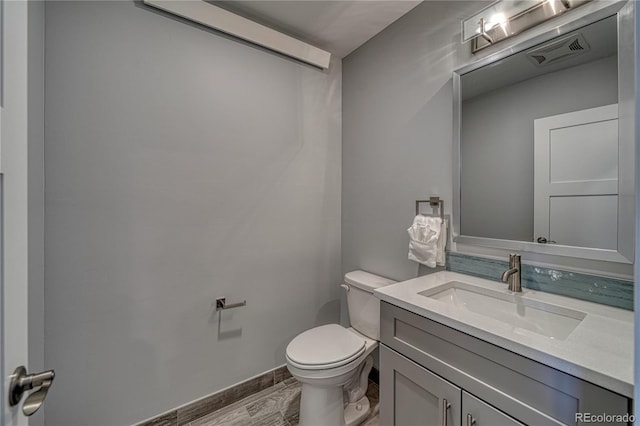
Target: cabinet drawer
(532, 392)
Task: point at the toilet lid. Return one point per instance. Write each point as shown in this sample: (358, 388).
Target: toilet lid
(327, 346)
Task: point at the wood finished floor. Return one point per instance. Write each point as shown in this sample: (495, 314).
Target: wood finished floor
(278, 405)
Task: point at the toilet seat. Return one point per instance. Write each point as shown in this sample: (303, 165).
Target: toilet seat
(325, 347)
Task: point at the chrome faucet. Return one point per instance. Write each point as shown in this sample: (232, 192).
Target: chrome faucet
(512, 275)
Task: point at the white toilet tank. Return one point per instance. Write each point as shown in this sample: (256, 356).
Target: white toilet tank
(364, 307)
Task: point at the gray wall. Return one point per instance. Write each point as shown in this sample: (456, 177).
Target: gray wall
(497, 144)
(180, 166)
(397, 133)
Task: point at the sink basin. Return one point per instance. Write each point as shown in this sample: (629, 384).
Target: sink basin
(554, 322)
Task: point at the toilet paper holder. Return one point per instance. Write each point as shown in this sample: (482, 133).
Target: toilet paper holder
(221, 304)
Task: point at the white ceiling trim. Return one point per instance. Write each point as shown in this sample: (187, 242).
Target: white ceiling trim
(220, 19)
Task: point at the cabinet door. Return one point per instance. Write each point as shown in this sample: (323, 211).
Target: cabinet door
(478, 413)
(410, 395)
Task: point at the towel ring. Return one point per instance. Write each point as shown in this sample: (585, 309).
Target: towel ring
(434, 202)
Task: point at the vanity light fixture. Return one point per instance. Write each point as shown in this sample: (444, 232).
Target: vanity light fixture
(506, 18)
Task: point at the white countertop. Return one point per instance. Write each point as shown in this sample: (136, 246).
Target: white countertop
(599, 350)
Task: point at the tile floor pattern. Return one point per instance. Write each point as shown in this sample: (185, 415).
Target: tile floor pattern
(278, 405)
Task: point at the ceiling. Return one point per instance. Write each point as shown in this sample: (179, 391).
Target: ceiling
(338, 26)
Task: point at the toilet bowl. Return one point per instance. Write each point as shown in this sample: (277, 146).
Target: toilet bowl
(333, 362)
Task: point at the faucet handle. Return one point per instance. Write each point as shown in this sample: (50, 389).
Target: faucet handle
(513, 274)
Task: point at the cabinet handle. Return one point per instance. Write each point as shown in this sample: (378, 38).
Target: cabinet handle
(470, 420)
(445, 412)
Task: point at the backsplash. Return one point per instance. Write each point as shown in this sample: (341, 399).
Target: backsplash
(608, 291)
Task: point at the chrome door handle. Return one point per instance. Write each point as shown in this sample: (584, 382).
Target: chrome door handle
(22, 382)
(543, 240)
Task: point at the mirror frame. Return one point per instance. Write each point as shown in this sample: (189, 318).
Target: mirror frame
(585, 15)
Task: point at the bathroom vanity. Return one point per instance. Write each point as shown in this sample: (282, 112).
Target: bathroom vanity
(460, 350)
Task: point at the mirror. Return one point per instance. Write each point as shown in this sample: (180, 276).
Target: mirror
(543, 138)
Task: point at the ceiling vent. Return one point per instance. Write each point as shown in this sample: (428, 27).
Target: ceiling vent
(559, 50)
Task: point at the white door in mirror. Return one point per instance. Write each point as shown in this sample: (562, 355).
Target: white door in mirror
(576, 178)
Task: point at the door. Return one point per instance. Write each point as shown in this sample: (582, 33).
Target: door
(20, 126)
(411, 395)
(576, 178)
(13, 138)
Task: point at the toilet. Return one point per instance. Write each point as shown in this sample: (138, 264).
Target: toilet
(333, 362)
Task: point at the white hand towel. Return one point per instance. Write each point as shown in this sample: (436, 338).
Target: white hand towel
(442, 242)
(423, 239)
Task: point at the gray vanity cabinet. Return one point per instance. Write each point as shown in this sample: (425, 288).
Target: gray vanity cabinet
(423, 363)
